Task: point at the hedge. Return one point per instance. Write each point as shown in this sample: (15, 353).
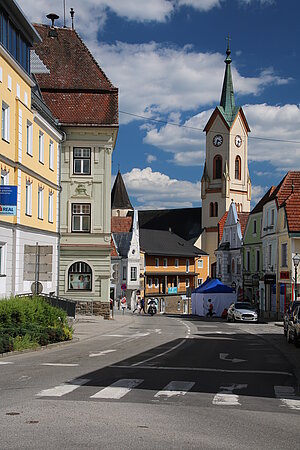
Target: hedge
(29, 322)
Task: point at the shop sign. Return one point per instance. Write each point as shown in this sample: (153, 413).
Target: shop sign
(8, 200)
(172, 290)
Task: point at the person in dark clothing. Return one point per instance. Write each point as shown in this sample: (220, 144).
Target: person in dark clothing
(210, 312)
(143, 305)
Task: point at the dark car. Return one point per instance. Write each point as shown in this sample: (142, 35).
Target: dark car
(288, 314)
(293, 327)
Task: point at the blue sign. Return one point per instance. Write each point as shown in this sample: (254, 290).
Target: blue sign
(8, 200)
(172, 290)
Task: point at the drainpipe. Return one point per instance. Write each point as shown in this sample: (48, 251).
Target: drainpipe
(58, 212)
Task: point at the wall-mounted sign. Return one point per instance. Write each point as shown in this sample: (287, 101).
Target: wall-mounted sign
(172, 290)
(123, 287)
(285, 275)
(8, 200)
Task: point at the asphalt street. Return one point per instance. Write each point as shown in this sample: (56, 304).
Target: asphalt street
(142, 382)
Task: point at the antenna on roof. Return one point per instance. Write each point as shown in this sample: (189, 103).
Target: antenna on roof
(72, 12)
(292, 186)
(64, 13)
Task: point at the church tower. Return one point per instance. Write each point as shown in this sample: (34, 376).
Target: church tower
(225, 175)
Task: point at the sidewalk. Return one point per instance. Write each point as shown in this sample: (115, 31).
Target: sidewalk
(87, 327)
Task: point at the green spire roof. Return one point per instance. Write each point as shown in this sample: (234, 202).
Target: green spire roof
(227, 105)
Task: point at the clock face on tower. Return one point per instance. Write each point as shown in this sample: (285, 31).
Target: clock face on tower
(238, 141)
(217, 140)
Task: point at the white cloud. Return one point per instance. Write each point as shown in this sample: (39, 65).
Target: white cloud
(177, 79)
(151, 158)
(157, 190)
(257, 193)
(201, 5)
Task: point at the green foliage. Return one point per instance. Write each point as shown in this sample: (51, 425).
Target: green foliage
(29, 322)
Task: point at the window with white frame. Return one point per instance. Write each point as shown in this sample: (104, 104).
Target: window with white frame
(41, 147)
(28, 198)
(156, 282)
(284, 261)
(5, 122)
(2, 258)
(50, 207)
(272, 216)
(81, 217)
(150, 282)
(165, 262)
(156, 262)
(187, 265)
(257, 260)
(176, 262)
(187, 282)
(29, 128)
(270, 254)
(133, 273)
(248, 260)
(200, 281)
(81, 161)
(200, 263)
(4, 177)
(40, 202)
(51, 155)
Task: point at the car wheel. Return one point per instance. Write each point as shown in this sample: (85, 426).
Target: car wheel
(288, 336)
(296, 341)
(284, 331)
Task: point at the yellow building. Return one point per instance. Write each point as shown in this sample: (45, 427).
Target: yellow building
(29, 160)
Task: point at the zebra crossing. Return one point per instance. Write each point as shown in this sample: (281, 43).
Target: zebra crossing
(231, 395)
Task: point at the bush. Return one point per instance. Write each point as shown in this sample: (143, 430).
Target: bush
(28, 322)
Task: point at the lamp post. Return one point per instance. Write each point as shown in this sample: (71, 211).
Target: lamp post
(296, 260)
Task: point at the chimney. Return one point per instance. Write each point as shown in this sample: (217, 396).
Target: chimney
(52, 31)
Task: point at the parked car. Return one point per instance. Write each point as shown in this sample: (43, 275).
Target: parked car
(293, 327)
(288, 314)
(242, 312)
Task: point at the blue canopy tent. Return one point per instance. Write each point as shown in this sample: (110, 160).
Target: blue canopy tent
(213, 292)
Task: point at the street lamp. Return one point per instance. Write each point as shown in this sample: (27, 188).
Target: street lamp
(296, 260)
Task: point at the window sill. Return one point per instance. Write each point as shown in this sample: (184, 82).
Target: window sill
(2, 275)
(29, 154)
(5, 140)
(28, 215)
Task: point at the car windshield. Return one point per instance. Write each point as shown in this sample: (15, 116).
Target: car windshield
(241, 305)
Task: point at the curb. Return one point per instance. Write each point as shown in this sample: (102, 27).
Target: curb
(39, 348)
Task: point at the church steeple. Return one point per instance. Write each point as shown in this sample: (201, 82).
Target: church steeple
(119, 196)
(227, 105)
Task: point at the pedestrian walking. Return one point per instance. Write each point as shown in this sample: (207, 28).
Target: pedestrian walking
(210, 311)
(136, 306)
(123, 304)
(142, 305)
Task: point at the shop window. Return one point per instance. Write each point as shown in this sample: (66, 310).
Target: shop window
(80, 277)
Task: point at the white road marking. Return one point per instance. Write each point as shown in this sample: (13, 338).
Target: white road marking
(4, 363)
(160, 354)
(287, 396)
(62, 389)
(226, 397)
(224, 357)
(59, 364)
(104, 352)
(175, 388)
(205, 369)
(118, 389)
(135, 335)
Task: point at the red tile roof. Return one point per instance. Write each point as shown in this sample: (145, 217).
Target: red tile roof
(243, 218)
(121, 224)
(113, 248)
(289, 184)
(221, 225)
(76, 90)
(292, 208)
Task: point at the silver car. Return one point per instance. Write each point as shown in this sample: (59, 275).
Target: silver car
(242, 312)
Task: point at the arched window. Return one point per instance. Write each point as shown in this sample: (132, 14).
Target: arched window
(216, 209)
(237, 168)
(217, 167)
(232, 266)
(80, 277)
(211, 209)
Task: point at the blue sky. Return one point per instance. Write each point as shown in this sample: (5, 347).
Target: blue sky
(167, 59)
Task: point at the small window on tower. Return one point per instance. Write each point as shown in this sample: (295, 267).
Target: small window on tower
(237, 168)
(217, 167)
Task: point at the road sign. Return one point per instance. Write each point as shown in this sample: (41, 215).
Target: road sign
(123, 287)
(8, 200)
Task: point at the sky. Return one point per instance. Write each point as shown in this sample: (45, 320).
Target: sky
(167, 59)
